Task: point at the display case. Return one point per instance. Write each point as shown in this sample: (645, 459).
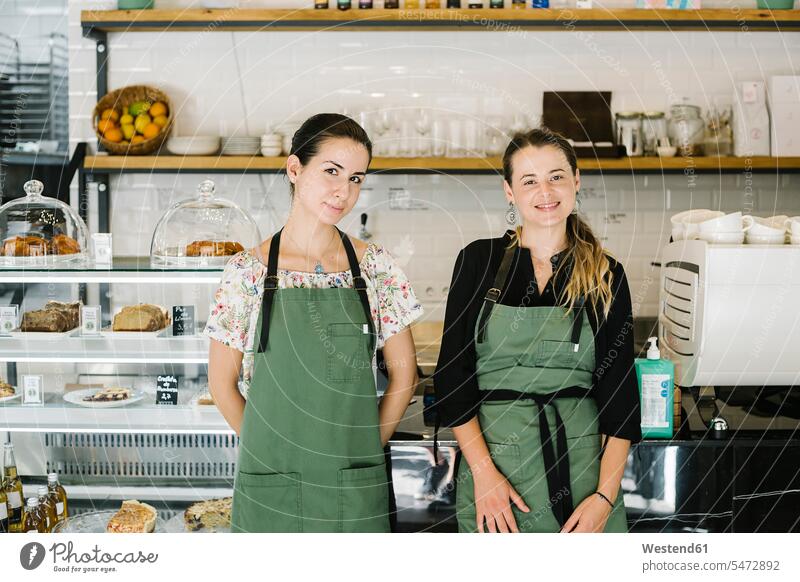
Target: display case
(169, 455)
(202, 232)
(39, 230)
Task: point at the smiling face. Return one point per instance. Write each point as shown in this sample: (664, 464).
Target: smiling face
(542, 186)
(327, 187)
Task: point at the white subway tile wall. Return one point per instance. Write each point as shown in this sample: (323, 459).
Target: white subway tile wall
(240, 83)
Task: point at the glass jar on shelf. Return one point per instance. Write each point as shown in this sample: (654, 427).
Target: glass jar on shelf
(654, 128)
(629, 132)
(686, 129)
(38, 230)
(719, 133)
(202, 232)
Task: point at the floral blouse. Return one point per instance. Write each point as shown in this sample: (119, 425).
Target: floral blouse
(234, 315)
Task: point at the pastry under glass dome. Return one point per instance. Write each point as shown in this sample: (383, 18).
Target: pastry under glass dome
(41, 231)
(202, 232)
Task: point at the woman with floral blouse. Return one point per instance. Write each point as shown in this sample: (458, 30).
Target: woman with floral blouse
(300, 317)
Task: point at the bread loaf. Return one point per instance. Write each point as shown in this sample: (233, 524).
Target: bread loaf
(55, 317)
(141, 317)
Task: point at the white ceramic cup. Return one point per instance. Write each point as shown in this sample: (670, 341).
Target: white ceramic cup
(724, 238)
(733, 222)
(685, 224)
(767, 227)
(792, 226)
(765, 239)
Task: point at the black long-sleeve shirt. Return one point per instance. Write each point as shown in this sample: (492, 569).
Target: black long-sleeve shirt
(615, 388)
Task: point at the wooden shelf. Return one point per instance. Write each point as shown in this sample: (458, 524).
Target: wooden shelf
(94, 21)
(490, 165)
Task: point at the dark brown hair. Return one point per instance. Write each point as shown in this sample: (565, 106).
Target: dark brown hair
(315, 130)
(591, 272)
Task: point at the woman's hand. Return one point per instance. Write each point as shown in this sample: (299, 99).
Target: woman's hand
(590, 516)
(492, 494)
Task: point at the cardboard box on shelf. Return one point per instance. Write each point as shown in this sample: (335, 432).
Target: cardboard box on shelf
(784, 89)
(785, 129)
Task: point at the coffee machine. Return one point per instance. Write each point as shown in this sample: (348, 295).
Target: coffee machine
(730, 321)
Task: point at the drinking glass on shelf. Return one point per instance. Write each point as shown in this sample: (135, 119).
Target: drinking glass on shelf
(408, 137)
(473, 138)
(422, 120)
(494, 136)
(439, 138)
(519, 123)
(455, 139)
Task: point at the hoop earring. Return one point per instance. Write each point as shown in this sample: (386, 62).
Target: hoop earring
(511, 214)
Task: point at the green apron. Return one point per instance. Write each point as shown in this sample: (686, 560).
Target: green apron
(310, 454)
(535, 370)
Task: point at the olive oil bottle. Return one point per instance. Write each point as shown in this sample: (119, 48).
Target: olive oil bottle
(33, 521)
(13, 489)
(3, 506)
(59, 496)
(47, 506)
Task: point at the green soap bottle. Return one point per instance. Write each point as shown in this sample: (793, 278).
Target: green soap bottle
(656, 379)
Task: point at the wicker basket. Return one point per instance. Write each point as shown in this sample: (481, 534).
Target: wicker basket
(123, 97)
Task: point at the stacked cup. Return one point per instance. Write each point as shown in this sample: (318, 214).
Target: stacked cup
(271, 145)
(767, 231)
(725, 229)
(792, 226)
(686, 224)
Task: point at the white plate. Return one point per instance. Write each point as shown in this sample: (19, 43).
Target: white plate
(77, 397)
(193, 147)
(6, 399)
(132, 335)
(41, 335)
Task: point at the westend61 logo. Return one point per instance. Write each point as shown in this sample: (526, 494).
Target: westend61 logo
(65, 559)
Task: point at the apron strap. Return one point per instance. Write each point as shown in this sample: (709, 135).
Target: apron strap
(436, 438)
(359, 284)
(556, 460)
(270, 286)
(494, 292)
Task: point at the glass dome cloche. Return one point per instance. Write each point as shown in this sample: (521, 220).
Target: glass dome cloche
(202, 232)
(38, 230)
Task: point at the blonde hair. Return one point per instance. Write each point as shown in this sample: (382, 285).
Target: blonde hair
(591, 275)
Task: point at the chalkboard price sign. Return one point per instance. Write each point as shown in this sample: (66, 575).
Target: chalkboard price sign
(183, 320)
(167, 390)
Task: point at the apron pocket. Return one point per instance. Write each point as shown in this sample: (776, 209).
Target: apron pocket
(505, 457)
(346, 350)
(267, 502)
(364, 499)
(560, 354)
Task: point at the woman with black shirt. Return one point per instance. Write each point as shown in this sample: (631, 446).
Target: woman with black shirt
(536, 365)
